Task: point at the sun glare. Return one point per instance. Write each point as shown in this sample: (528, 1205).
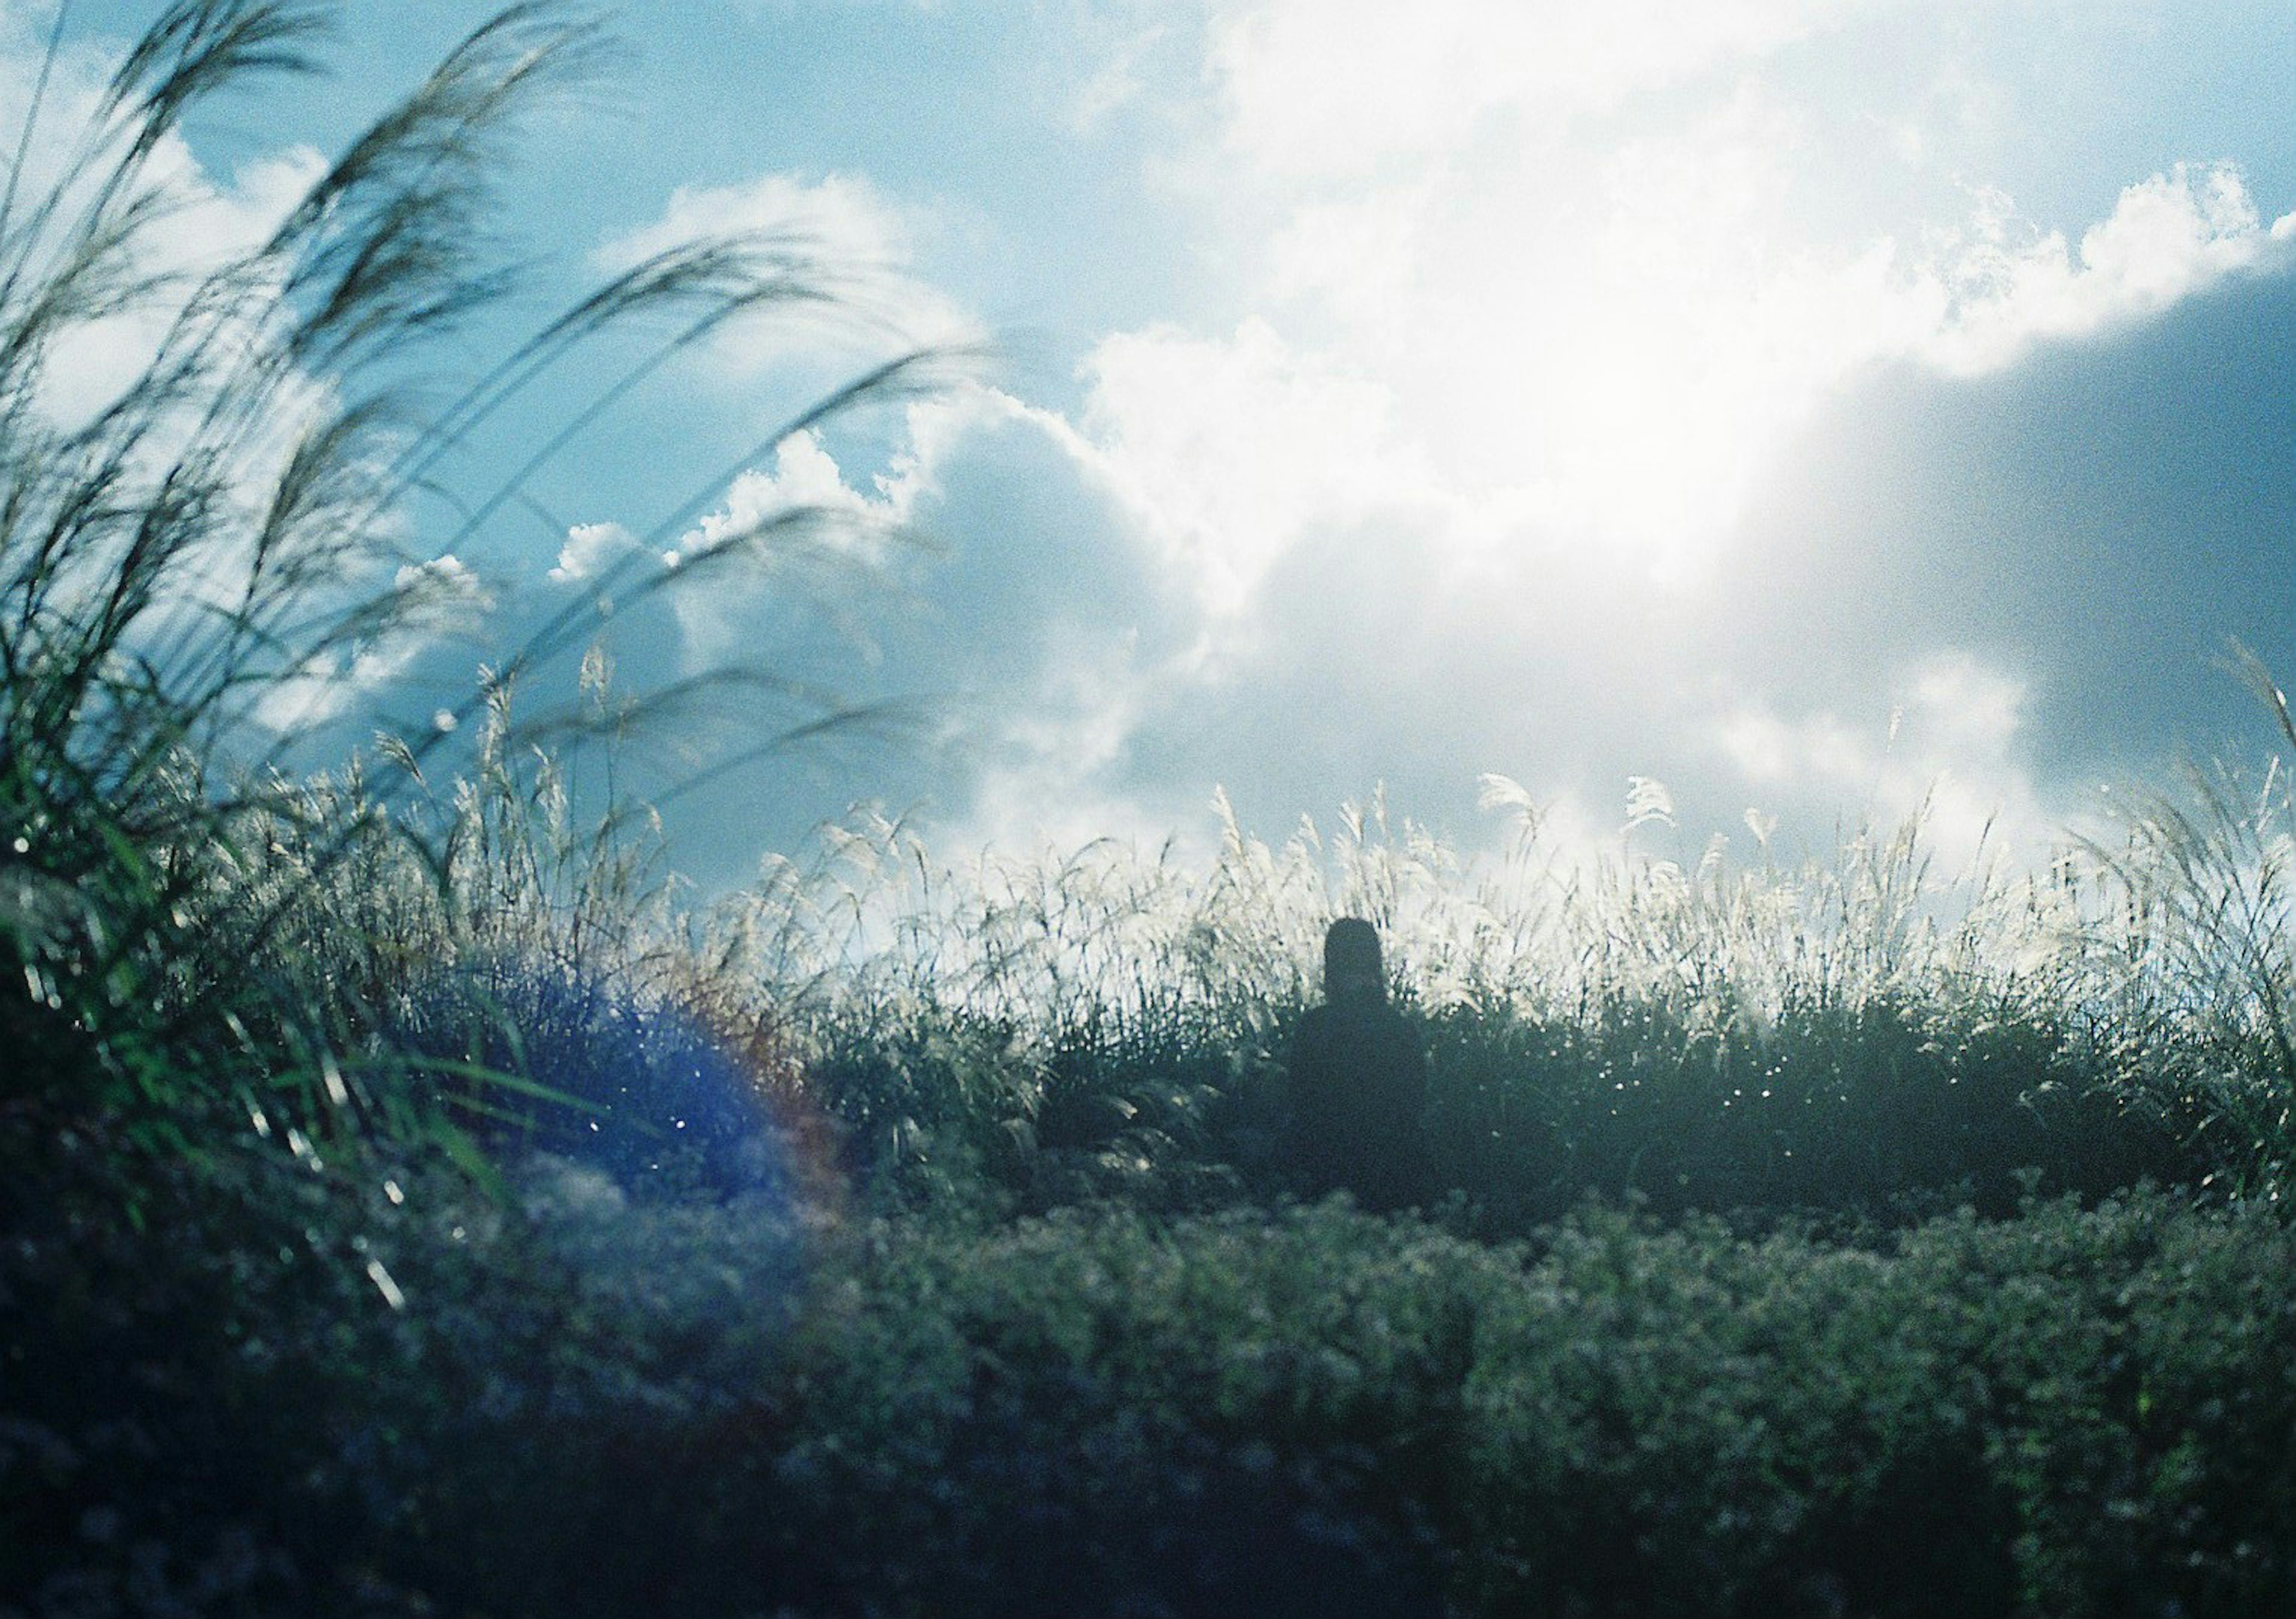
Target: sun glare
(1611, 355)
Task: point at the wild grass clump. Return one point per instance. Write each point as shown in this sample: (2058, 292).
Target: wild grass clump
(2193, 955)
(296, 1389)
(203, 570)
(1851, 1035)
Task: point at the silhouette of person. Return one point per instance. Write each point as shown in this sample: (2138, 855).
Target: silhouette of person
(1356, 1082)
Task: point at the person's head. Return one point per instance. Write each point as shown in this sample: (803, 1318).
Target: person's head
(1351, 965)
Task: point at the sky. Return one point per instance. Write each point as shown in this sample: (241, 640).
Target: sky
(1820, 407)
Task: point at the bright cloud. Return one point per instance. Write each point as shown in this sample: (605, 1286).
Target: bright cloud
(192, 222)
(1589, 339)
(2167, 238)
(1230, 449)
(328, 687)
(1534, 332)
(1518, 309)
(839, 219)
(851, 240)
(805, 478)
(439, 597)
(1333, 87)
(590, 549)
(442, 591)
(1949, 748)
(213, 222)
(796, 516)
(207, 220)
(1445, 413)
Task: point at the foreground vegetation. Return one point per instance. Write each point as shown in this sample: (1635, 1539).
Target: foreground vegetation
(588, 1405)
(409, 1208)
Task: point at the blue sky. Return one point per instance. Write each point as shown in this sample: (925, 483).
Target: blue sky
(1816, 405)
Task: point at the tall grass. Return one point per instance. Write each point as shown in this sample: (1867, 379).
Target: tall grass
(195, 570)
(1855, 1030)
(2194, 950)
(1850, 1033)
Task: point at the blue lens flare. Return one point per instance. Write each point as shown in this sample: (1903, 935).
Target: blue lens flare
(541, 1055)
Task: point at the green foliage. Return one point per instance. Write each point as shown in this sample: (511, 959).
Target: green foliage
(588, 1405)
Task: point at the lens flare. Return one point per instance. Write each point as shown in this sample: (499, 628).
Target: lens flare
(663, 1092)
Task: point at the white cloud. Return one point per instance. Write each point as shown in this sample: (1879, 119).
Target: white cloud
(1047, 780)
(1450, 482)
(2167, 237)
(1116, 81)
(590, 549)
(1950, 747)
(1335, 88)
(1966, 710)
(1231, 450)
(442, 591)
(327, 687)
(207, 221)
(1590, 345)
(838, 218)
(805, 476)
(437, 598)
(192, 224)
(96, 360)
(848, 236)
(714, 616)
(1600, 354)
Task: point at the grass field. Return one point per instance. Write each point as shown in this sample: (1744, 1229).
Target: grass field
(413, 1205)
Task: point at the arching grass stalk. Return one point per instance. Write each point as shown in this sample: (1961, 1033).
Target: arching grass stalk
(2196, 944)
(185, 561)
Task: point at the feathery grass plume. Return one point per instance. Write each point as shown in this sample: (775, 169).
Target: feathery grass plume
(2193, 943)
(1111, 1021)
(195, 568)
